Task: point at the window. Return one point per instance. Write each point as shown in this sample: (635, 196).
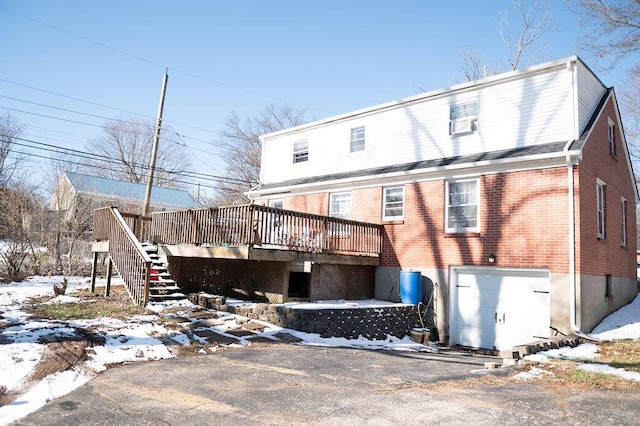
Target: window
(393, 203)
(600, 205)
(463, 118)
(611, 134)
(623, 222)
(357, 139)
(462, 206)
(340, 205)
(607, 286)
(278, 204)
(300, 151)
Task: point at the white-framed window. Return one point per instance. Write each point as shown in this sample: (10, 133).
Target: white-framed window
(277, 203)
(393, 203)
(463, 118)
(301, 151)
(340, 205)
(611, 136)
(463, 206)
(623, 222)
(600, 207)
(357, 139)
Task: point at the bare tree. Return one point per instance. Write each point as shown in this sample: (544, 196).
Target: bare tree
(630, 106)
(613, 28)
(242, 150)
(533, 22)
(19, 206)
(124, 149)
(11, 162)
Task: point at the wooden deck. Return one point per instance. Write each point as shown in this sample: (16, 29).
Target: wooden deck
(255, 232)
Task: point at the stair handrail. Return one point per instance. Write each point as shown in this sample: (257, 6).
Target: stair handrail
(129, 257)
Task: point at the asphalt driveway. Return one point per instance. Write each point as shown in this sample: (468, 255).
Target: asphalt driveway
(288, 384)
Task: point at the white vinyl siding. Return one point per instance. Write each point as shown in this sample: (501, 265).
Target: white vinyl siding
(357, 139)
(340, 205)
(463, 206)
(600, 207)
(532, 110)
(393, 203)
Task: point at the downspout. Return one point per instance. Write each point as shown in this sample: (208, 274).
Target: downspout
(571, 199)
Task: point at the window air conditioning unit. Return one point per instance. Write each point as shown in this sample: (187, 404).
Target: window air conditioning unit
(464, 125)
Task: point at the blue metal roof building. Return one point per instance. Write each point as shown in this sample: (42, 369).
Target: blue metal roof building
(165, 198)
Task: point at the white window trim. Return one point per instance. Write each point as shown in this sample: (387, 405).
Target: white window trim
(601, 208)
(384, 203)
(611, 136)
(299, 152)
(471, 119)
(359, 141)
(449, 230)
(623, 222)
(331, 198)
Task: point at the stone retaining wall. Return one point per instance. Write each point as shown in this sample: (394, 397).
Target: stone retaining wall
(351, 323)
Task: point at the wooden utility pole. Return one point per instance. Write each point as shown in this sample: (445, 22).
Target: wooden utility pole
(154, 148)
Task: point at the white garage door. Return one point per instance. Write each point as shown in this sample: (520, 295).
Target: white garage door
(495, 308)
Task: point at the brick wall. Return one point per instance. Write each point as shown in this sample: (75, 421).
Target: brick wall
(606, 256)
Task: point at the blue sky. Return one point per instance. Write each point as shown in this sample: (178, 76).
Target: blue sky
(329, 57)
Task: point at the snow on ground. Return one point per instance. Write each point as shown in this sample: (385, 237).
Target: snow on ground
(145, 337)
(620, 325)
(139, 338)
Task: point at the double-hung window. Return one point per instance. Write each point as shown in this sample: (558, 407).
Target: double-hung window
(340, 206)
(463, 118)
(463, 208)
(611, 136)
(600, 207)
(623, 222)
(393, 203)
(301, 151)
(357, 139)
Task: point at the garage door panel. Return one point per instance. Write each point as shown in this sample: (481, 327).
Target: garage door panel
(499, 308)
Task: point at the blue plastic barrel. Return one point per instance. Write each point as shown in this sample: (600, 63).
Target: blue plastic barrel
(411, 287)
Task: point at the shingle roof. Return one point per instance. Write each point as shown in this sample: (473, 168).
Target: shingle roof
(131, 191)
(417, 165)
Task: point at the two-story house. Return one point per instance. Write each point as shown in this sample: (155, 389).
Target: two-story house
(514, 195)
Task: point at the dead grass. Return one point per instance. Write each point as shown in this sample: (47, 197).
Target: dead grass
(117, 305)
(620, 354)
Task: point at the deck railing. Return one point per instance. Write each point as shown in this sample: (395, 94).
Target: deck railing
(128, 256)
(266, 227)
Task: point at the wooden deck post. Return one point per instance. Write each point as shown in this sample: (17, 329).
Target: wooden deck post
(94, 272)
(107, 290)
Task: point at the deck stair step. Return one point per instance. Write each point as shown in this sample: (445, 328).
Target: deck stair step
(162, 286)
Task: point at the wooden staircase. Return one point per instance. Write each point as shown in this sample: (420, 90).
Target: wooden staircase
(162, 286)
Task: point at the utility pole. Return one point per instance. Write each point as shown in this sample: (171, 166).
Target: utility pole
(154, 148)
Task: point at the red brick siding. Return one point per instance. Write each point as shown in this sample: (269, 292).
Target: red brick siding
(606, 256)
(312, 203)
(523, 223)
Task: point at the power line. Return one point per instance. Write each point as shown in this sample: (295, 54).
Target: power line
(99, 157)
(140, 58)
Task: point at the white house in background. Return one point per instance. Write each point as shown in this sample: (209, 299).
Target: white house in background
(514, 195)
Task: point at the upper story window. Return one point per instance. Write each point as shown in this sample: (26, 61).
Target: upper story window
(611, 135)
(340, 205)
(600, 207)
(463, 118)
(623, 222)
(393, 203)
(301, 151)
(463, 206)
(357, 139)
